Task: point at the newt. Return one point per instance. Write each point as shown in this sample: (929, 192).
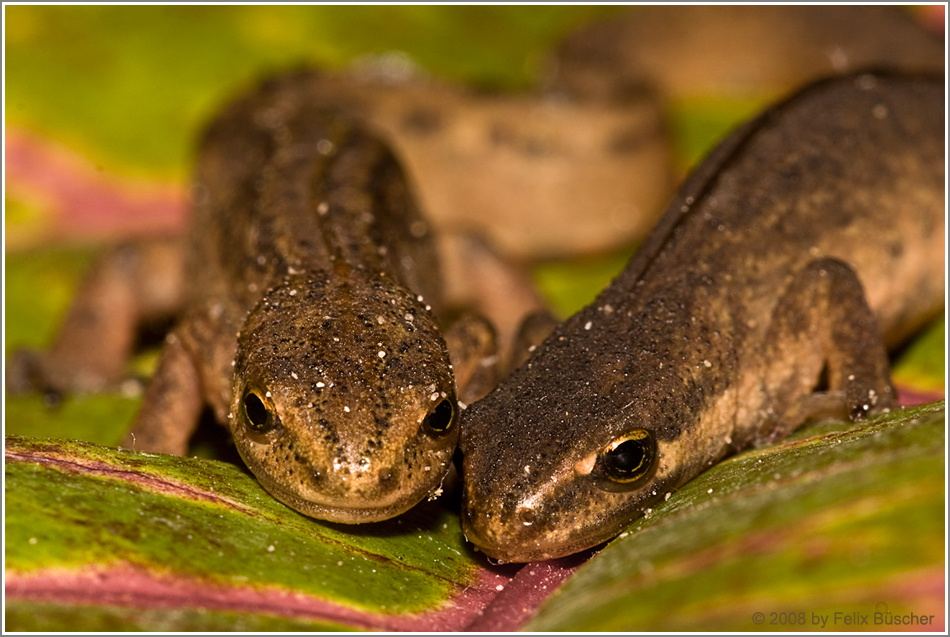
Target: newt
(803, 246)
(310, 297)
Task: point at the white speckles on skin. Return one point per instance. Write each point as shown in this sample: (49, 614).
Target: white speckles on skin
(419, 298)
(320, 384)
(270, 549)
(267, 394)
(527, 468)
(410, 317)
(346, 409)
(707, 364)
(588, 325)
(294, 376)
(500, 587)
(381, 354)
(380, 320)
(434, 396)
(709, 491)
(667, 496)
(261, 260)
(292, 293)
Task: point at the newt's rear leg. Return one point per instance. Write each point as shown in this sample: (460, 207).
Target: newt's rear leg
(128, 285)
(823, 328)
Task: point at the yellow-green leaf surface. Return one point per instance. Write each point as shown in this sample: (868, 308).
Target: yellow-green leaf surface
(92, 525)
(841, 520)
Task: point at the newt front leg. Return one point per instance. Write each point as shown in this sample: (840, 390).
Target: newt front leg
(128, 286)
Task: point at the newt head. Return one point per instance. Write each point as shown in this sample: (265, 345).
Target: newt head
(553, 464)
(343, 402)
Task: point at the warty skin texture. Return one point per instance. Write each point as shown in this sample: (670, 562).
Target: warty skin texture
(314, 284)
(805, 237)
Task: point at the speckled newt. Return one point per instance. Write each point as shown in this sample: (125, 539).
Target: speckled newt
(808, 241)
(309, 289)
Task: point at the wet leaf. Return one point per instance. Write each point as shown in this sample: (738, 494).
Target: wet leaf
(99, 539)
(93, 525)
(838, 519)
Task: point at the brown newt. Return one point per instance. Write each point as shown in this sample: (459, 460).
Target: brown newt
(309, 287)
(808, 240)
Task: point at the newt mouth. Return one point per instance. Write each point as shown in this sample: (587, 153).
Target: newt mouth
(347, 495)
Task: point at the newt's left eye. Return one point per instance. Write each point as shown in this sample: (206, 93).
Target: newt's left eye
(627, 461)
(257, 410)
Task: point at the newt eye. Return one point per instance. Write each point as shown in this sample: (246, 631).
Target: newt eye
(626, 461)
(440, 420)
(257, 409)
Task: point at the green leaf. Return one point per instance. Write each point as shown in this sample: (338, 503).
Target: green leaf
(98, 539)
(132, 84)
(921, 365)
(96, 525)
(836, 519)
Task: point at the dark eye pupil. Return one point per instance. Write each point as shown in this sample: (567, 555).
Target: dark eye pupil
(440, 419)
(625, 462)
(626, 457)
(256, 411)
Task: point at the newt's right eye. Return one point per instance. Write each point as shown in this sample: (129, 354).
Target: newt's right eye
(257, 409)
(441, 419)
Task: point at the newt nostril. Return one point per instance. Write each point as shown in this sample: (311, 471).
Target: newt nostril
(528, 516)
(316, 476)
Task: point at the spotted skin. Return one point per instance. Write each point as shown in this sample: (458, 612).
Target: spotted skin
(313, 293)
(805, 243)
